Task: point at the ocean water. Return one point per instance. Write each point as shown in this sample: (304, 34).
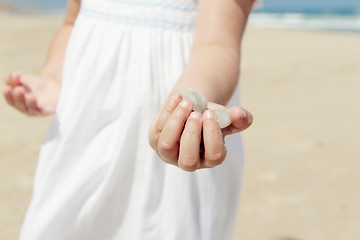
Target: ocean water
(319, 15)
(334, 15)
(332, 22)
(44, 5)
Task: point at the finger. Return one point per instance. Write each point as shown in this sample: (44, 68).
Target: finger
(29, 82)
(161, 118)
(8, 95)
(215, 151)
(13, 79)
(19, 98)
(189, 156)
(168, 146)
(31, 104)
(241, 119)
(168, 109)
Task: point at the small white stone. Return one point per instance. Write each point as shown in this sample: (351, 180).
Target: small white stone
(223, 117)
(197, 99)
(199, 103)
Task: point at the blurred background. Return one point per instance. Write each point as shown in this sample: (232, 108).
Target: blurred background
(300, 79)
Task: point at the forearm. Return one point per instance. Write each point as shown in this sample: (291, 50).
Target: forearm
(214, 63)
(55, 58)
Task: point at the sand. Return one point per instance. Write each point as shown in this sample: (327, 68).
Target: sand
(302, 161)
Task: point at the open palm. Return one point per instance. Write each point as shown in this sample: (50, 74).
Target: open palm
(31, 94)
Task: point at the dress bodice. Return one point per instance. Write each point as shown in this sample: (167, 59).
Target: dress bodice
(168, 14)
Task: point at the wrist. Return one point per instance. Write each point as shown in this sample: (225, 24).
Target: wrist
(214, 74)
(53, 74)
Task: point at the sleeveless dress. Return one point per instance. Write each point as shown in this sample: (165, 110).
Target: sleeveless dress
(97, 177)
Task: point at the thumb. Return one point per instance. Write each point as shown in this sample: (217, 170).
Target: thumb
(241, 119)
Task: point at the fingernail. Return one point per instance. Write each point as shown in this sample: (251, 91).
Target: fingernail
(209, 115)
(185, 104)
(243, 113)
(175, 97)
(195, 115)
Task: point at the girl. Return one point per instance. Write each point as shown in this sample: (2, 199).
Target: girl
(97, 176)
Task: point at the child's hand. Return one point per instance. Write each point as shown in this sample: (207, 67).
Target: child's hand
(30, 94)
(168, 126)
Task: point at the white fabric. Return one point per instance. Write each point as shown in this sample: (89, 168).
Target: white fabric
(97, 177)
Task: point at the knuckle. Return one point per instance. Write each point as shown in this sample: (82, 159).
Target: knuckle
(216, 158)
(189, 165)
(213, 131)
(164, 146)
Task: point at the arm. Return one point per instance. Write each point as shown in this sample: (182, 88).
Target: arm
(37, 95)
(55, 59)
(213, 68)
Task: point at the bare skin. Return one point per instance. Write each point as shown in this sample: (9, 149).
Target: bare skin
(213, 69)
(167, 128)
(31, 94)
(37, 95)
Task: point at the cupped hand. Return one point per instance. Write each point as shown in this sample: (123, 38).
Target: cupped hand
(181, 146)
(30, 94)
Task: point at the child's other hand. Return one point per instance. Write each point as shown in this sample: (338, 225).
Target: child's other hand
(31, 94)
(168, 127)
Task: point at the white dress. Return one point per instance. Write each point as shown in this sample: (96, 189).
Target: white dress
(97, 177)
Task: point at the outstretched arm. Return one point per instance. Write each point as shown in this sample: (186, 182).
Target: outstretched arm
(213, 68)
(38, 94)
(214, 63)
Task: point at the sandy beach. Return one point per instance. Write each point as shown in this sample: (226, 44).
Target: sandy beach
(301, 172)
